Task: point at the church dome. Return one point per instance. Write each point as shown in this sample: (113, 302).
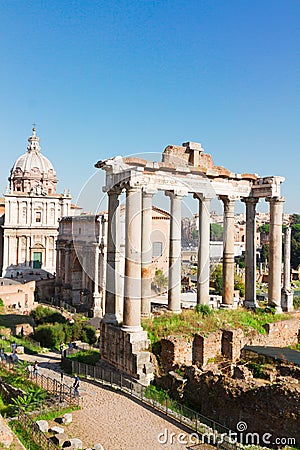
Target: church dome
(33, 172)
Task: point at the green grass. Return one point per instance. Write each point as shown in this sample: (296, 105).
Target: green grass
(51, 415)
(190, 322)
(24, 436)
(86, 356)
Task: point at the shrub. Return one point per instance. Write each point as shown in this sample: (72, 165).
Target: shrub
(43, 315)
(90, 332)
(50, 335)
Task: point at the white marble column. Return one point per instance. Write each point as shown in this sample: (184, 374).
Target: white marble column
(275, 252)
(250, 253)
(203, 251)
(132, 281)
(174, 281)
(103, 262)
(5, 255)
(97, 310)
(146, 252)
(228, 252)
(287, 294)
(111, 273)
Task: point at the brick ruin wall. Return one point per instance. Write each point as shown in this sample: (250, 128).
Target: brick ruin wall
(206, 348)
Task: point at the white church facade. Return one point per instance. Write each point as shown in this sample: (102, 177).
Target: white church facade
(32, 212)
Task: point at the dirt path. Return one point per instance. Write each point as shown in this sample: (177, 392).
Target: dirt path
(113, 420)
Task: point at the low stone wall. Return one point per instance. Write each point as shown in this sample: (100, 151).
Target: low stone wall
(204, 348)
(207, 348)
(175, 352)
(126, 351)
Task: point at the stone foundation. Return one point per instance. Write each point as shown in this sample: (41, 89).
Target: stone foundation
(126, 351)
(176, 352)
(207, 348)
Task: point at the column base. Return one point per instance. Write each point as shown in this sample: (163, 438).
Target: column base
(227, 306)
(176, 311)
(287, 298)
(278, 309)
(131, 329)
(250, 304)
(110, 318)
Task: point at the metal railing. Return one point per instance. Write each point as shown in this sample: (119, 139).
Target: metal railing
(184, 415)
(60, 390)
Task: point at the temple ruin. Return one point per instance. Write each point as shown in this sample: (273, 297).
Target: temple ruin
(183, 170)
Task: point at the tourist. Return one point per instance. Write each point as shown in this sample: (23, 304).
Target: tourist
(76, 385)
(30, 371)
(35, 369)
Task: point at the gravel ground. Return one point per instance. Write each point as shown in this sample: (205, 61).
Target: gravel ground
(115, 421)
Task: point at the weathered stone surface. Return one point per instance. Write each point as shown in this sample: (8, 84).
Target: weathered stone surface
(67, 418)
(6, 435)
(242, 373)
(59, 439)
(98, 447)
(43, 425)
(176, 351)
(57, 430)
(73, 444)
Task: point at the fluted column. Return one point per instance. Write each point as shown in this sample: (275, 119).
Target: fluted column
(275, 252)
(111, 273)
(146, 251)
(228, 252)
(250, 253)
(203, 251)
(132, 282)
(174, 282)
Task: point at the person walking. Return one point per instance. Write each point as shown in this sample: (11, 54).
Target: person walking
(35, 369)
(76, 385)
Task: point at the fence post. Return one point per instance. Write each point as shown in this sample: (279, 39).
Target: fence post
(166, 405)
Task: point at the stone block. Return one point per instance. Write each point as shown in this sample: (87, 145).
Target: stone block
(20, 349)
(57, 430)
(73, 444)
(43, 425)
(59, 439)
(98, 447)
(67, 418)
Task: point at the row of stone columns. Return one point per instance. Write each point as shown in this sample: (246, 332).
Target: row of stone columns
(138, 254)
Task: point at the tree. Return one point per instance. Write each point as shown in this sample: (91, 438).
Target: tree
(160, 279)
(295, 241)
(217, 279)
(216, 232)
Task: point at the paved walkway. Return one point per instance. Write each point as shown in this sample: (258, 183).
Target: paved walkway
(113, 420)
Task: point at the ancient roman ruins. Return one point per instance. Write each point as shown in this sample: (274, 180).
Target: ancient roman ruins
(183, 170)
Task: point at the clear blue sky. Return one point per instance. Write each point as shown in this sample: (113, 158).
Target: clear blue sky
(102, 78)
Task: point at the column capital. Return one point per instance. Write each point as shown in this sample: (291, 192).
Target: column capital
(149, 192)
(250, 200)
(229, 198)
(202, 197)
(178, 193)
(115, 190)
(275, 199)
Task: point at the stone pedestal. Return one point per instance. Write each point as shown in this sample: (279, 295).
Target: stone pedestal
(126, 351)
